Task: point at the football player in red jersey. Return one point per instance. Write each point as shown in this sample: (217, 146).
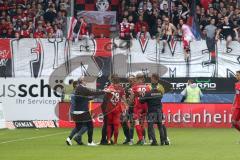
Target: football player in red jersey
(116, 96)
(236, 104)
(140, 109)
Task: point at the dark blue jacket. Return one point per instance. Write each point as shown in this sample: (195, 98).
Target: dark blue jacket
(81, 97)
(153, 98)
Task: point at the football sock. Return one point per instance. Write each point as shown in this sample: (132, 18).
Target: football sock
(139, 132)
(109, 132)
(115, 133)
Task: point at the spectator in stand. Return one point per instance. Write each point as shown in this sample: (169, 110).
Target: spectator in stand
(169, 31)
(211, 13)
(59, 34)
(18, 25)
(155, 4)
(51, 34)
(143, 33)
(204, 21)
(145, 13)
(124, 30)
(132, 12)
(3, 15)
(164, 11)
(159, 34)
(139, 24)
(228, 30)
(132, 27)
(220, 23)
(158, 29)
(175, 14)
(132, 31)
(17, 35)
(187, 37)
(25, 32)
(81, 32)
(146, 3)
(39, 33)
(4, 33)
(216, 4)
(48, 27)
(140, 12)
(62, 21)
(40, 11)
(31, 26)
(10, 33)
(3, 24)
(210, 40)
(19, 12)
(152, 20)
(125, 13)
(180, 9)
(183, 10)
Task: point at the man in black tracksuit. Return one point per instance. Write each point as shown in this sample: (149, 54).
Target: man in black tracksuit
(155, 113)
(80, 111)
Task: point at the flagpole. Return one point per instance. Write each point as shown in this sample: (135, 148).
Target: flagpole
(157, 57)
(216, 61)
(72, 8)
(170, 8)
(113, 59)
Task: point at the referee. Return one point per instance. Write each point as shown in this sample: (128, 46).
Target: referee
(80, 111)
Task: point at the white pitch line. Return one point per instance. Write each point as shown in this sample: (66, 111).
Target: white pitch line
(30, 138)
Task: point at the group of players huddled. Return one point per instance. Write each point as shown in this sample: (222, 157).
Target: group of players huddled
(132, 107)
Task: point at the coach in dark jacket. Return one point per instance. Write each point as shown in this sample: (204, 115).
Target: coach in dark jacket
(80, 111)
(155, 113)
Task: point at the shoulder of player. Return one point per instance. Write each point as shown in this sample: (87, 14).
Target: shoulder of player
(134, 86)
(109, 87)
(148, 84)
(237, 85)
(121, 89)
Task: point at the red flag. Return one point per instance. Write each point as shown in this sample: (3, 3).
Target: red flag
(6, 67)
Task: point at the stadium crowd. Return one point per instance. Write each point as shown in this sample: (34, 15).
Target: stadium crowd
(148, 18)
(33, 18)
(152, 17)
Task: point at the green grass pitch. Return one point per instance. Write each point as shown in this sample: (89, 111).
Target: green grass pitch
(187, 144)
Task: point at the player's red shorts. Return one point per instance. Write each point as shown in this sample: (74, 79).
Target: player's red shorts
(140, 111)
(113, 117)
(236, 114)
